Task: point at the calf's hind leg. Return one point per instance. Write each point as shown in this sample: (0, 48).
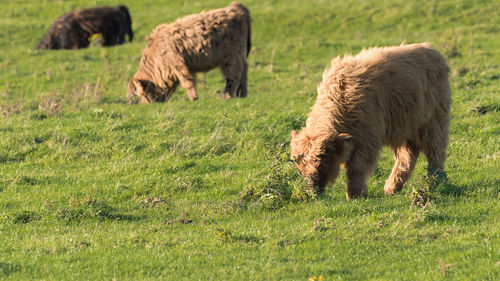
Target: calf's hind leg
(435, 146)
(406, 156)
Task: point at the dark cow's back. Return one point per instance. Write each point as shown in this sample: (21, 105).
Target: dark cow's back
(73, 29)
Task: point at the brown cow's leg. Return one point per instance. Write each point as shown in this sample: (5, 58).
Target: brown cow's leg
(170, 90)
(188, 82)
(232, 69)
(242, 90)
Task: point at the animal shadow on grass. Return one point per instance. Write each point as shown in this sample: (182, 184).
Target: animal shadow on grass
(485, 187)
(16, 157)
(7, 268)
(88, 209)
(451, 189)
(431, 186)
(25, 217)
(227, 236)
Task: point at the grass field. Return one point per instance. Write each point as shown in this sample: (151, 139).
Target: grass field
(94, 188)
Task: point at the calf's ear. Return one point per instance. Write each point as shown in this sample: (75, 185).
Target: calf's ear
(344, 137)
(135, 87)
(339, 142)
(294, 134)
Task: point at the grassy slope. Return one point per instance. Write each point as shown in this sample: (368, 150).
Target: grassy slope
(79, 167)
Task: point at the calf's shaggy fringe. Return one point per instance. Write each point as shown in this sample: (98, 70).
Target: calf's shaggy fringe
(196, 43)
(396, 96)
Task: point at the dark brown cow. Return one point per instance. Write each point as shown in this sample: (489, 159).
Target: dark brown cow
(73, 30)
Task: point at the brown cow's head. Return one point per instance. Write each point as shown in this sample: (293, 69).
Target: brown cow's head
(144, 91)
(319, 157)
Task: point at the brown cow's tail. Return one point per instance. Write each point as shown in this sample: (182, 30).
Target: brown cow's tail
(244, 14)
(130, 33)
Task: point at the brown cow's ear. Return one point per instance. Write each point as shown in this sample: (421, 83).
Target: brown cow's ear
(132, 92)
(137, 86)
(294, 134)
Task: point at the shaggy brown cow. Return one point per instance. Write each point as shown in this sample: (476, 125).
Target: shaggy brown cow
(200, 42)
(73, 30)
(396, 96)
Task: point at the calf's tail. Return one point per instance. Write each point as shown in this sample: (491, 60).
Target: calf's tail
(249, 36)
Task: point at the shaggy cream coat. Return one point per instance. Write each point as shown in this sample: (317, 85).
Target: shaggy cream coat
(200, 42)
(396, 96)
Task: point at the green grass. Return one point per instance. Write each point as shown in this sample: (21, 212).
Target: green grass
(93, 188)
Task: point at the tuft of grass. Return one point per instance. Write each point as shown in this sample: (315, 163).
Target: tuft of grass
(316, 278)
(443, 267)
(96, 40)
(51, 104)
(79, 209)
(11, 108)
(483, 109)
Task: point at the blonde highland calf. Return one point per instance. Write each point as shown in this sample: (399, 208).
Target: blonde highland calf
(196, 43)
(396, 96)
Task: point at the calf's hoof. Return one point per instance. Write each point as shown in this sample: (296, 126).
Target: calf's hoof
(391, 188)
(349, 195)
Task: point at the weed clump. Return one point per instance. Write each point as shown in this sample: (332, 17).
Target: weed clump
(421, 194)
(323, 223)
(283, 183)
(483, 109)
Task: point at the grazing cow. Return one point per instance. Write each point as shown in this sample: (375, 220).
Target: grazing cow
(200, 42)
(73, 30)
(396, 96)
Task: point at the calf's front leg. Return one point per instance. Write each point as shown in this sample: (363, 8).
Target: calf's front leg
(358, 168)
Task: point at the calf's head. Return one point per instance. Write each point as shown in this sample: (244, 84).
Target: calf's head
(319, 157)
(144, 91)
